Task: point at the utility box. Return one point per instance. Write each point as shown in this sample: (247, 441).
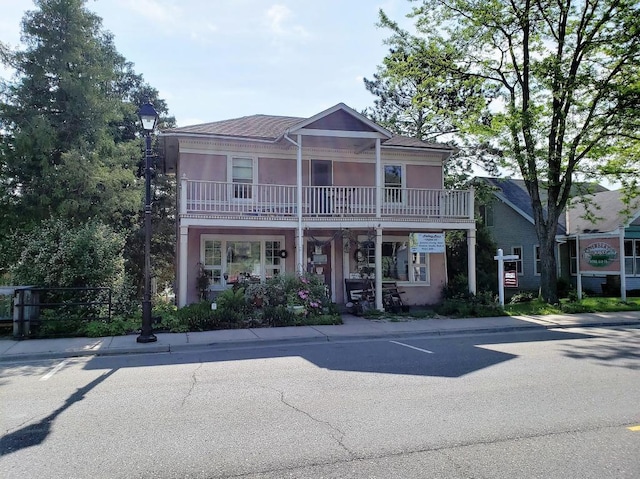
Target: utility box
(26, 311)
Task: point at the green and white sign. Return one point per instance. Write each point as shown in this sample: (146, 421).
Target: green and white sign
(426, 242)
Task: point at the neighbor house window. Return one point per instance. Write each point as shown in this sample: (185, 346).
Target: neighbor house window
(573, 257)
(241, 258)
(517, 264)
(242, 177)
(537, 264)
(486, 213)
(632, 257)
(393, 183)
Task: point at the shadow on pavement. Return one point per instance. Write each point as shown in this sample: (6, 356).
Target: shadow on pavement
(617, 349)
(36, 433)
(450, 357)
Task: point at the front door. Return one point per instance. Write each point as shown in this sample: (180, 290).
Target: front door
(321, 176)
(319, 260)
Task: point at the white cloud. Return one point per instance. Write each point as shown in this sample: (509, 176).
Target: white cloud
(278, 21)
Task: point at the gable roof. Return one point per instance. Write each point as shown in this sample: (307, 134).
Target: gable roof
(272, 128)
(513, 192)
(609, 210)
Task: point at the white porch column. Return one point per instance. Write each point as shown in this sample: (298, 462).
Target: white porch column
(300, 263)
(183, 195)
(378, 280)
(183, 243)
(623, 273)
(578, 273)
(378, 180)
(471, 255)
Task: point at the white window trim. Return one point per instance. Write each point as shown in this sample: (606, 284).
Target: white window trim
(521, 260)
(254, 179)
(535, 260)
(410, 272)
(403, 182)
(227, 238)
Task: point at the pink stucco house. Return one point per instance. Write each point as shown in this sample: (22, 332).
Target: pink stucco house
(334, 194)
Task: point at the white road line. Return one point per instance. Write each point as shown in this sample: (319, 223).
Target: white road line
(58, 367)
(412, 347)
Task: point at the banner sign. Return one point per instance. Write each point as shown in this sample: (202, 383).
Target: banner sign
(511, 279)
(426, 242)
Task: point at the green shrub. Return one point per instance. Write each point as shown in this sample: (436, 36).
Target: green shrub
(232, 300)
(522, 297)
(467, 304)
(116, 327)
(278, 315)
(576, 307)
(196, 316)
(57, 254)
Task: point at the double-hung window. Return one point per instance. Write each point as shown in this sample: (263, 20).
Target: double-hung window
(537, 263)
(242, 177)
(515, 265)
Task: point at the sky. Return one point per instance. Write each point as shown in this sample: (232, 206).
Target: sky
(214, 60)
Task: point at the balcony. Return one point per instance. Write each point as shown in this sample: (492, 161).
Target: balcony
(279, 202)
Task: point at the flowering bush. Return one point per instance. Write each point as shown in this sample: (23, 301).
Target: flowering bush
(257, 294)
(291, 290)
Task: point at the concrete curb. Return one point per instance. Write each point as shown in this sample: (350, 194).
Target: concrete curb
(154, 348)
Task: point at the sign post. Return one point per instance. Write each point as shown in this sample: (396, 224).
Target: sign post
(501, 258)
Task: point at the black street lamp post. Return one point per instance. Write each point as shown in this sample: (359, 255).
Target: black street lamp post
(148, 117)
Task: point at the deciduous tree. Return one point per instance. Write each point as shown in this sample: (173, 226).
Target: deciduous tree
(565, 76)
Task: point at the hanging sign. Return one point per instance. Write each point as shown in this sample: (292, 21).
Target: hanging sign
(601, 255)
(426, 242)
(511, 279)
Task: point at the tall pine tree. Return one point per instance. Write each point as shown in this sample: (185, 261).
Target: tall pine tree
(70, 144)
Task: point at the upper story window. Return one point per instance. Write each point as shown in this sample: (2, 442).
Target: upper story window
(486, 213)
(393, 181)
(242, 177)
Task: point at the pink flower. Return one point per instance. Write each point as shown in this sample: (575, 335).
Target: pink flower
(314, 304)
(304, 280)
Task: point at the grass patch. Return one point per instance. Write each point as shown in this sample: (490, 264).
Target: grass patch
(586, 305)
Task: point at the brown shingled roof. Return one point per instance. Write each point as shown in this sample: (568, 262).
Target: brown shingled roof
(267, 127)
(271, 127)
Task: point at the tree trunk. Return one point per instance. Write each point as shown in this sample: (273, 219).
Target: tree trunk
(548, 270)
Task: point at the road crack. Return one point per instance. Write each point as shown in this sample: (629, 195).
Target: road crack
(337, 434)
(194, 380)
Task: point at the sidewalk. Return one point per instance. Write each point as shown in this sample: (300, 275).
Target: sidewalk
(354, 328)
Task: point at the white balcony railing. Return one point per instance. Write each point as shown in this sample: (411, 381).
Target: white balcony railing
(221, 198)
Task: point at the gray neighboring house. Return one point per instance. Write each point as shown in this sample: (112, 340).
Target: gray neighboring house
(610, 214)
(509, 217)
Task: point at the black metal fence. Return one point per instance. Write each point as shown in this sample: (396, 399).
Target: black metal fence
(34, 306)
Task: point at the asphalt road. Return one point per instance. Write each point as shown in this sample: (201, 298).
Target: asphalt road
(522, 405)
